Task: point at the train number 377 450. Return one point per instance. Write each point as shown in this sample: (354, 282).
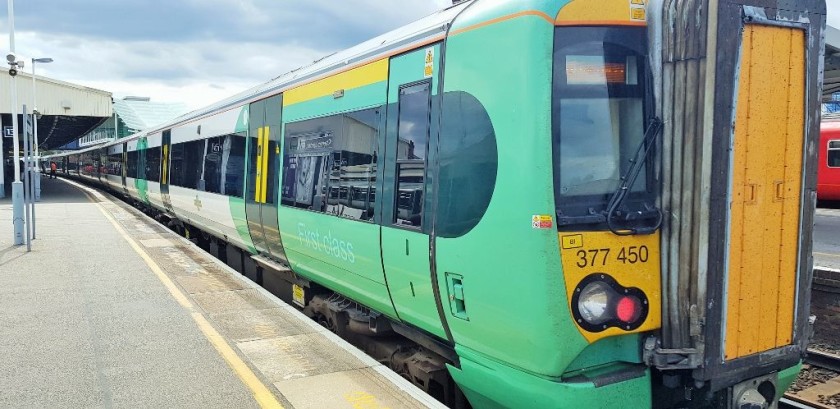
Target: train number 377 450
(624, 255)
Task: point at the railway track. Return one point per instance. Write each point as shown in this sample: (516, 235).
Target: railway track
(817, 396)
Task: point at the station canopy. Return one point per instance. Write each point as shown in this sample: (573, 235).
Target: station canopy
(832, 62)
(67, 111)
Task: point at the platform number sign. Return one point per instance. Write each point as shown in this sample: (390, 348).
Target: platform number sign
(8, 131)
(429, 69)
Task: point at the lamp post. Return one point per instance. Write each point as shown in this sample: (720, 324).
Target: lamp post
(35, 114)
(17, 185)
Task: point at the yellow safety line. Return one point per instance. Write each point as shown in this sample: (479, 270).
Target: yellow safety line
(262, 394)
(264, 397)
(827, 254)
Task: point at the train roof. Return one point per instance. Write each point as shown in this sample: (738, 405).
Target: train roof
(830, 121)
(406, 37)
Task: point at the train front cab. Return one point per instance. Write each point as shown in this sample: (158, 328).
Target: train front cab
(573, 298)
(738, 259)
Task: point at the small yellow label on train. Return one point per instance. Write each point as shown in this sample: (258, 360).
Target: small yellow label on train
(637, 13)
(639, 2)
(429, 68)
(298, 295)
(573, 241)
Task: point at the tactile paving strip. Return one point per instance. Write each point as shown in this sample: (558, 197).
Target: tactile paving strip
(230, 301)
(253, 325)
(347, 390)
(205, 282)
(298, 356)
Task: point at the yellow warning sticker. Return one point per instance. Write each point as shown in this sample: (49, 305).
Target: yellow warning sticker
(542, 221)
(298, 295)
(639, 2)
(637, 13)
(572, 241)
(429, 69)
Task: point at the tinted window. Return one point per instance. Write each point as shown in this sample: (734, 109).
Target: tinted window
(468, 163)
(412, 141)
(834, 154)
(224, 159)
(329, 164)
(153, 164)
(131, 165)
(114, 165)
(186, 164)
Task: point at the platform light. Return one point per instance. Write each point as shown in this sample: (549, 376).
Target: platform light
(35, 115)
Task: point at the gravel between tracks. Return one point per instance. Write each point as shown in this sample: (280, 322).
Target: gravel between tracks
(831, 401)
(810, 376)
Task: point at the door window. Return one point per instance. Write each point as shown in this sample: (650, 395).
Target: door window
(412, 143)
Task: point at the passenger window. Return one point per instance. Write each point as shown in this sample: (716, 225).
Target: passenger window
(153, 164)
(131, 166)
(834, 154)
(114, 164)
(412, 142)
(224, 158)
(329, 164)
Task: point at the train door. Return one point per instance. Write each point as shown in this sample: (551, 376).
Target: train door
(766, 186)
(165, 149)
(264, 121)
(405, 227)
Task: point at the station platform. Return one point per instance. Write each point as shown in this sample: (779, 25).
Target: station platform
(111, 309)
(827, 237)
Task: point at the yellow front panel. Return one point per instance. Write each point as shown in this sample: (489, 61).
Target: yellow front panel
(633, 261)
(358, 77)
(603, 12)
(766, 191)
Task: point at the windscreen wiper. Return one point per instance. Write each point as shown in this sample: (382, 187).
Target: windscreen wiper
(629, 179)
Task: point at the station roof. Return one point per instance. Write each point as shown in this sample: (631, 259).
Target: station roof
(140, 113)
(67, 110)
(832, 62)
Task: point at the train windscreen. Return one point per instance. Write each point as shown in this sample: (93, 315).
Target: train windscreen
(599, 121)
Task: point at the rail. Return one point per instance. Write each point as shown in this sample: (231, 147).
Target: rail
(818, 359)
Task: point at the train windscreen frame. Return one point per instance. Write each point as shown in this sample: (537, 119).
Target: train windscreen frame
(600, 110)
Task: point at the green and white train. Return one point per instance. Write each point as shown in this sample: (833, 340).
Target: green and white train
(487, 198)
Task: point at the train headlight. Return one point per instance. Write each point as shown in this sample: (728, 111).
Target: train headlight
(594, 303)
(600, 302)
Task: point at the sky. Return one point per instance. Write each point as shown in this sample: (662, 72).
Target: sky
(200, 51)
(193, 51)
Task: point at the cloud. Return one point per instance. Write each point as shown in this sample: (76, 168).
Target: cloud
(833, 17)
(173, 50)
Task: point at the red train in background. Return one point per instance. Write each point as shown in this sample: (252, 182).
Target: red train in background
(828, 169)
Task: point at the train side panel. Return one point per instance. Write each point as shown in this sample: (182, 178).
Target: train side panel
(327, 136)
(828, 168)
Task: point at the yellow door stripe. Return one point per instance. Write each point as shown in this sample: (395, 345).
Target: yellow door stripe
(165, 164)
(266, 154)
(258, 164)
(374, 72)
